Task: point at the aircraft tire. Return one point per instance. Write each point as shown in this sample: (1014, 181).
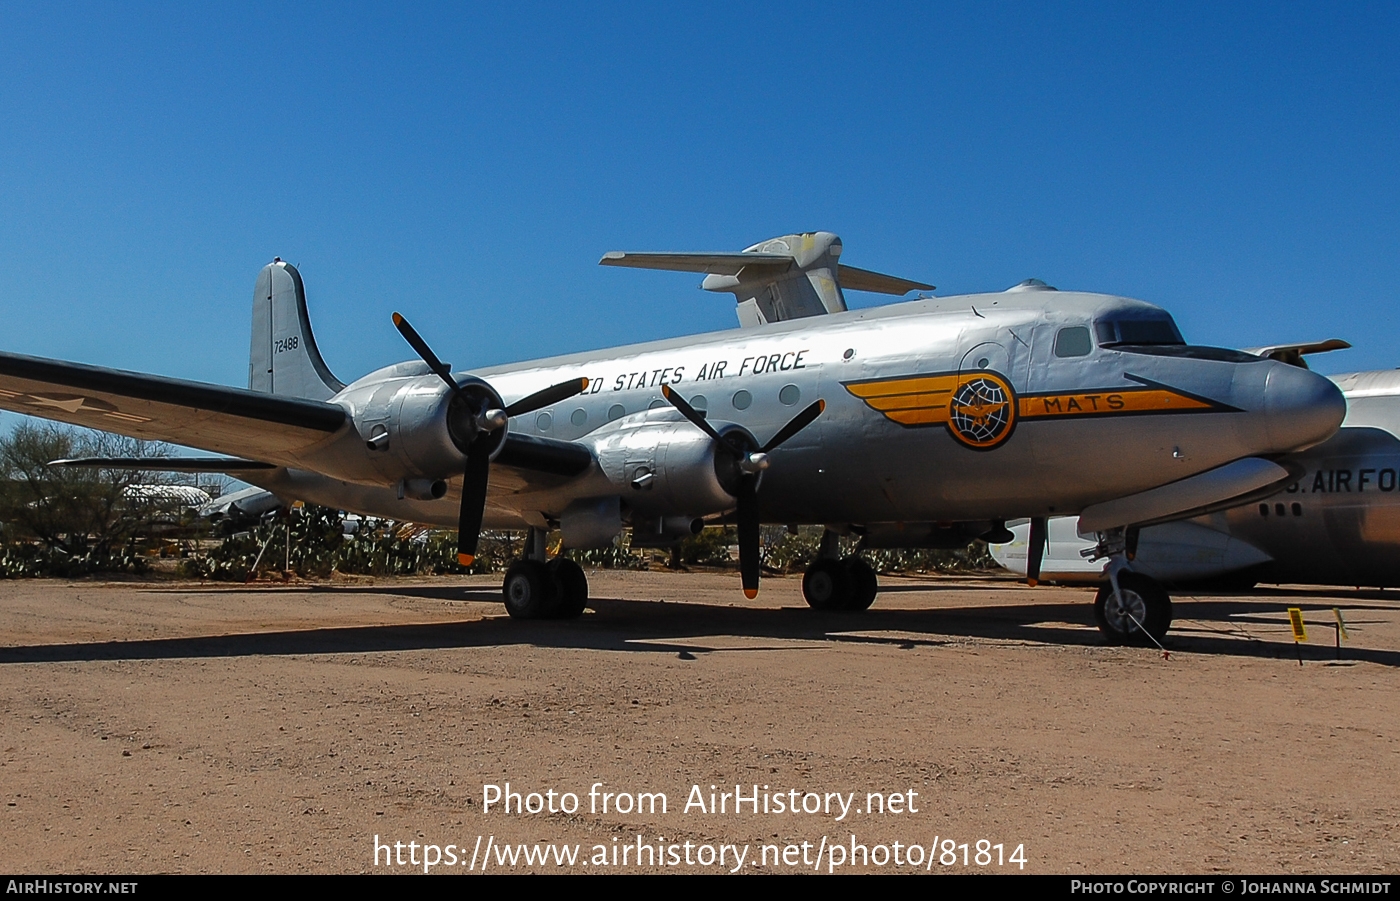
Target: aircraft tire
(572, 585)
(864, 584)
(530, 590)
(1145, 600)
(826, 585)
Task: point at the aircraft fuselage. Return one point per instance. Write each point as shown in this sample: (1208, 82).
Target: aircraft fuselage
(980, 407)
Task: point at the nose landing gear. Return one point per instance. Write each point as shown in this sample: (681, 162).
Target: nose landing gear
(1131, 609)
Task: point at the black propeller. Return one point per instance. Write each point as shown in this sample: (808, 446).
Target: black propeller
(475, 426)
(1035, 549)
(750, 464)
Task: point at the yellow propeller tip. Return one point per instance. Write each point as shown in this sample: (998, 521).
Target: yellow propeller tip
(465, 559)
(1032, 582)
(751, 593)
(398, 320)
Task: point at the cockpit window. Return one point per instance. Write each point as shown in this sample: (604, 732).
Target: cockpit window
(1193, 351)
(1073, 342)
(1137, 331)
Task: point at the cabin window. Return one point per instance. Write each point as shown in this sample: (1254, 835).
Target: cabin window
(1073, 342)
(616, 411)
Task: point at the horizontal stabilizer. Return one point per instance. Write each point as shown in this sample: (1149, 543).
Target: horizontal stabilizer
(707, 263)
(789, 277)
(877, 282)
(1292, 354)
(167, 464)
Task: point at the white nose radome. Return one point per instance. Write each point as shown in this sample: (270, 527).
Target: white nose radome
(1302, 408)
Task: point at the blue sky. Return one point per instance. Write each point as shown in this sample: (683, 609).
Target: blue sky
(468, 165)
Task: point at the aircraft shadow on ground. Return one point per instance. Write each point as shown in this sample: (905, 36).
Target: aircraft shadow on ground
(1227, 626)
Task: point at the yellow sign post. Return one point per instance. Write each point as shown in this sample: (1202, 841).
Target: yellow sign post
(1300, 632)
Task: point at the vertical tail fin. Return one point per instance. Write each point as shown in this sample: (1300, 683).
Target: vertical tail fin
(806, 287)
(284, 359)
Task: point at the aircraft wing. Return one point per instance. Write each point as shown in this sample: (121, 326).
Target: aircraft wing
(250, 424)
(228, 465)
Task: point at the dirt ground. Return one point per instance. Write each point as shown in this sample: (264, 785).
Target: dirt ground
(210, 728)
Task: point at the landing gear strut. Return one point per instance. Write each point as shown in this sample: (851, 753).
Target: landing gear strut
(839, 584)
(536, 589)
(1132, 608)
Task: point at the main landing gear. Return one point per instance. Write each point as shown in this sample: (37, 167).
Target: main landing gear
(833, 583)
(536, 589)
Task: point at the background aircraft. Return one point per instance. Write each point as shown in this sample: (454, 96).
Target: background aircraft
(923, 423)
(1337, 523)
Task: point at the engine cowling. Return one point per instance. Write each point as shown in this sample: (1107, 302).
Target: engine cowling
(668, 468)
(415, 428)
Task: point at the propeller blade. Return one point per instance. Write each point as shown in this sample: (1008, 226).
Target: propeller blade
(1035, 551)
(689, 413)
(474, 479)
(795, 425)
(747, 516)
(423, 350)
(551, 395)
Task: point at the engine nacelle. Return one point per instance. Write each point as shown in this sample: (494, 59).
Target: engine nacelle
(416, 427)
(666, 468)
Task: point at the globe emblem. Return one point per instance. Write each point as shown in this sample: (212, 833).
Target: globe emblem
(982, 411)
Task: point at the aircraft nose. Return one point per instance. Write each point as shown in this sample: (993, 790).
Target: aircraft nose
(1302, 408)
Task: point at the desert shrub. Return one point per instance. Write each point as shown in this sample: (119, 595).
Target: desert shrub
(618, 555)
(319, 547)
(28, 560)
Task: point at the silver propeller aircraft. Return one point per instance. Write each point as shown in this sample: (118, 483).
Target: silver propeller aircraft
(1336, 523)
(920, 424)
